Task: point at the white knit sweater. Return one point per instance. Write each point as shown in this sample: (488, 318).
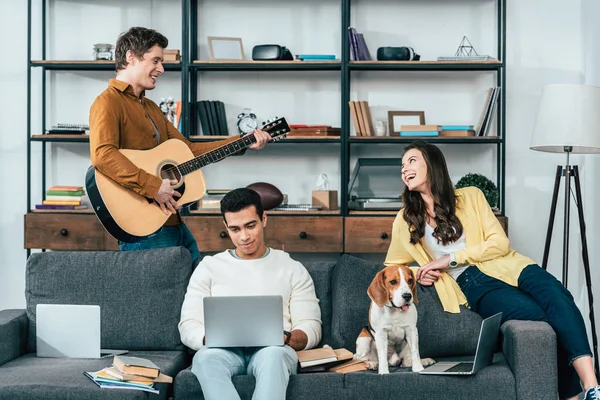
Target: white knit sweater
(275, 274)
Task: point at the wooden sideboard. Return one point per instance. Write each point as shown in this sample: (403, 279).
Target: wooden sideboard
(311, 233)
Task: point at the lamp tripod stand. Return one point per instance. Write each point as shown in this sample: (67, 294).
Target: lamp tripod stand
(571, 171)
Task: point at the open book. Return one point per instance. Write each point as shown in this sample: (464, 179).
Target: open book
(323, 358)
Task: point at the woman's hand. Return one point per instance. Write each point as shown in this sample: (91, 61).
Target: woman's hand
(262, 138)
(435, 265)
(430, 277)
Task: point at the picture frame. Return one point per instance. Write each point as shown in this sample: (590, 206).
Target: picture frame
(225, 48)
(398, 118)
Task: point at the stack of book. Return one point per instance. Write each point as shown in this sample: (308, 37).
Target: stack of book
(69, 129)
(129, 373)
(488, 112)
(420, 130)
(358, 47)
(170, 55)
(213, 119)
(361, 118)
(212, 199)
(327, 359)
(63, 198)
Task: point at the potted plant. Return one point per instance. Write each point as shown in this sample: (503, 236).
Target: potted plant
(489, 189)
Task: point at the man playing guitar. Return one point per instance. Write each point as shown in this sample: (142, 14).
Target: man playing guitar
(122, 117)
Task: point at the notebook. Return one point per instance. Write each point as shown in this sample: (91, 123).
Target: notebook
(243, 321)
(488, 336)
(69, 331)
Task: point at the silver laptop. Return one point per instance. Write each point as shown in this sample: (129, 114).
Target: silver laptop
(69, 331)
(488, 336)
(243, 321)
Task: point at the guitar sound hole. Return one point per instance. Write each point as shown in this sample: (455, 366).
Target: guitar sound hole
(170, 171)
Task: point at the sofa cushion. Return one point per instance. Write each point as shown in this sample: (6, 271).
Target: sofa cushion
(30, 377)
(320, 273)
(493, 382)
(300, 387)
(440, 333)
(139, 292)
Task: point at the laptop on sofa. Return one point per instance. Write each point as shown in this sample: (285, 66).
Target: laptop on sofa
(69, 331)
(488, 336)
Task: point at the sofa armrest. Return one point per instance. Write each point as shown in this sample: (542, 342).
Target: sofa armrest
(530, 349)
(13, 334)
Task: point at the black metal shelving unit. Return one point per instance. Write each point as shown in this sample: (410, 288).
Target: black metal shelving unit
(191, 67)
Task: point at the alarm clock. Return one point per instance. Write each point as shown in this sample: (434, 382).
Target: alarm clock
(246, 122)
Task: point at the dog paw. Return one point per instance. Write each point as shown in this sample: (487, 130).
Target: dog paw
(407, 362)
(417, 368)
(394, 360)
(383, 371)
(372, 364)
(427, 361)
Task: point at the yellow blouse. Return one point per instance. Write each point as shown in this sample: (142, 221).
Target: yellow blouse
(487, 248)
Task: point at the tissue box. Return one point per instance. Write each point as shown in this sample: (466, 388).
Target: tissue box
(327, 199)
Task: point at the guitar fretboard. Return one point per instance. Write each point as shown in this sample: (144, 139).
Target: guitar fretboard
(217, 154)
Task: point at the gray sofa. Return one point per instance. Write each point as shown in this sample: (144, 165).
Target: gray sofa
(140, 294)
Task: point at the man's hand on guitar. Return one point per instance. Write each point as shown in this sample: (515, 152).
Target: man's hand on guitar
(262, 138)
(165, 197)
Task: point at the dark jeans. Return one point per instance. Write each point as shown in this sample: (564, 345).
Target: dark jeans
(538, 297)
(167, 236)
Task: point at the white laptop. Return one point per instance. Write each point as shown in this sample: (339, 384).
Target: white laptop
(488, 335)
(69, 331)
(243, 321)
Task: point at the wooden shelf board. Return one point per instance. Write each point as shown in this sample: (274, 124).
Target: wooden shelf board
(87, 211)
(473, 138)
(390, 213)
(252, 62)
(426, 62)
(85, 62)
(271, 212)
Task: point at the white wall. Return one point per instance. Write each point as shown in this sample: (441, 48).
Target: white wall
(431, 27)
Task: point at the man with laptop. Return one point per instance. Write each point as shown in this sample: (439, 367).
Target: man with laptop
(248, 310)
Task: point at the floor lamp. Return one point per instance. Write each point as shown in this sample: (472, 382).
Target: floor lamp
(568, 121)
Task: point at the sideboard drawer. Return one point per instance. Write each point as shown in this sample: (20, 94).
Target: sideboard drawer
(368, 234)
(304, 234)
(63, 232)
(210, 233)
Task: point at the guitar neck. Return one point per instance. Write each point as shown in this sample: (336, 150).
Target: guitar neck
(217, 154)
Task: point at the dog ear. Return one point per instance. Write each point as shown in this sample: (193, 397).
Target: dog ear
(377, 291)
(413, 287)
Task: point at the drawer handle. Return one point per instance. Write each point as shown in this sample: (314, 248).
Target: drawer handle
(64, 232)
(223, 234)
(303, 235)
(383, 235)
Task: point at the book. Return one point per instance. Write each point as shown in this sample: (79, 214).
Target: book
(66, 188)
(349, 366)
(419, 133)
(136, 366)
(419, 128)
(161, 378)
(105, 381)
(309, 358)
(457, 127)
(322, 356)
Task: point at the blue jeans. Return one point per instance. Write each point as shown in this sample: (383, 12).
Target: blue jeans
(538, 297)
(167, 236)
(271, 367)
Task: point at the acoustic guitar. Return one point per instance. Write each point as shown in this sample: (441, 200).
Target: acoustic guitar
(130, 217)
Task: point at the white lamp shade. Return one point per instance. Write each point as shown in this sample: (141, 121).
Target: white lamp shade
(568, 115)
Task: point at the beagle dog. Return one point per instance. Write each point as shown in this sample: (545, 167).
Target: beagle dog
(391, 336)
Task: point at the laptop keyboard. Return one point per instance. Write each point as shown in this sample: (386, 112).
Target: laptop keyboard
(462, 367)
